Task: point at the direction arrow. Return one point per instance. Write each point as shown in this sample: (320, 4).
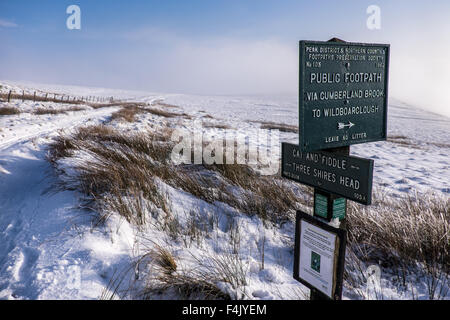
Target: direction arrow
(345, 125)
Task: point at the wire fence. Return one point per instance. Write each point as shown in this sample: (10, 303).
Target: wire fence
(55, 97)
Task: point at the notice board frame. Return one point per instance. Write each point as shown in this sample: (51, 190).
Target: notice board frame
(341, 236)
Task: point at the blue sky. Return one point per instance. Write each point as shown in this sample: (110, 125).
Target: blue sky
(217, 47)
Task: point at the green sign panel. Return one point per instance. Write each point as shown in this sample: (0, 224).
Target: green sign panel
(339, 208)
(346, 176)
(321, 206)
(343, 94)
(329, 206)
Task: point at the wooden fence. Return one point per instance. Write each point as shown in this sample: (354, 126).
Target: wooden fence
(54, 97)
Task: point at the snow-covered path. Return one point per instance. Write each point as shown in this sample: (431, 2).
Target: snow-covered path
(28, 126)
(34, 262)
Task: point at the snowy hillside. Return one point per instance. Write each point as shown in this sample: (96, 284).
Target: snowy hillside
(63, 239)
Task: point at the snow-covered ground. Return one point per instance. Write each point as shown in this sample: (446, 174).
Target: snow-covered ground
(417, 156)
(49, 250)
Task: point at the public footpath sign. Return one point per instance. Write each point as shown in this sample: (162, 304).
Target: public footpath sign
(343, 94)
(347, 176)
(343, 98)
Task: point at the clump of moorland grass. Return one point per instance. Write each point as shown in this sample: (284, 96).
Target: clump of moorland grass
(398, 234)
(166, 114)
(44, 111)
(121, 164)
(216, 125)
(117, 173)
(164, 105)
(279, 126)
(127, 113)
(415, 228)
(201, 282)
(8, 111)
(167, 278)
(403, 141)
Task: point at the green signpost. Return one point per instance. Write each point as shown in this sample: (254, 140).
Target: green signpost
(343, 99)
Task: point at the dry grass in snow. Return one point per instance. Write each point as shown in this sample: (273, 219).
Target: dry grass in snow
(121, 173)
(8, 111)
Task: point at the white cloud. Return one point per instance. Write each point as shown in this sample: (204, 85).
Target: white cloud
(234, 66)
(420, 73)
(7, 24)
(173, 63)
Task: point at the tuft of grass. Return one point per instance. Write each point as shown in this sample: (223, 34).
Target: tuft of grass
(402, 140)
(164, 259)
(165, 105)
(268, 197)
(216, 125)
(127, 113)
(185, 286)
(42, 111)
(166, 114)
(75, 108)
(415, 228)
(8, 111)
(399, 233)
(279, 126)
(123, 164)
(201, 282)
(117, 173)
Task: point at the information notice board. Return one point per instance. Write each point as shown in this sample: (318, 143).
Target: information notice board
(319, 255)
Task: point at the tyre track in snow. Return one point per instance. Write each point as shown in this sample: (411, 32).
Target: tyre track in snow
(28, 217)
(67, 123)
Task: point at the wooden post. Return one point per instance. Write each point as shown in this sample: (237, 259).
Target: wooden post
(9, 96)
(23, 95)
(34, 97)
(316, 294)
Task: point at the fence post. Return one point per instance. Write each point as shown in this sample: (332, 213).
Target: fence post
(9, 96)
(23, 95)
(34, 97)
